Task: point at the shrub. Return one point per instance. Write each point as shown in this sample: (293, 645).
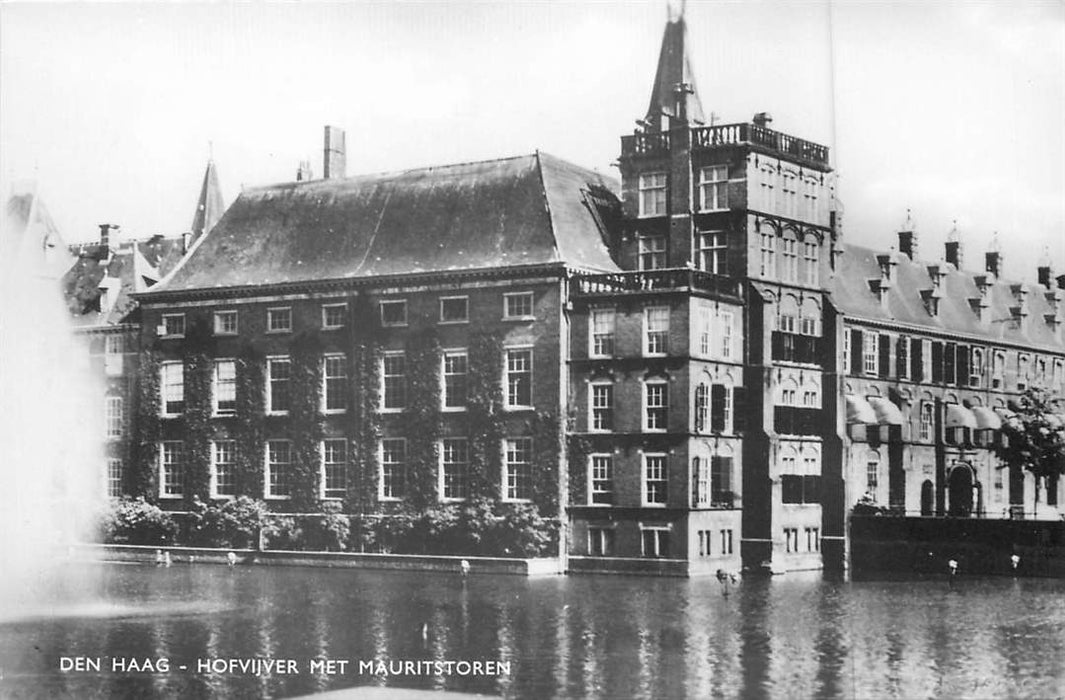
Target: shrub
(282, 532)
(235, 523)
(326, 533)
(135, 521)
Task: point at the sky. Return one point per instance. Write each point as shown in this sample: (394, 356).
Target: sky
(953, 109)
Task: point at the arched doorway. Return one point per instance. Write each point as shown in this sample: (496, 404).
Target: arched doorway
(960, 488)
(928, 497)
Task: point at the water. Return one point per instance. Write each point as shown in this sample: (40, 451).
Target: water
(608, 637)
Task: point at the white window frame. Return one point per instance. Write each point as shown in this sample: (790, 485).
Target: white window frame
(272, 317)
(384, 465)
(712, 254)
(870, 353)
(704, 321)
(179, 319)
(509, 400)
(811, 253)
(114, 417)
(768, 254)
(216, 447)
(454, 321)
(216, 386)
(713, 181)
(660, 346)
(384, 407)
(114, 353)
(270, 362)
(652, 252)
(510, 463)
(464, 473)
(926, 419)
(326, 309)
(444, 374)
(268, 471)
(595, 409)
(607, 462)
(180, 465)
(598, 339)
(528, 298)
(326, 493)
(647, 407)
(727, 321)
(657, 554)
(114, 477)
(222, 320)
(394, 303)
(343, 378)
(653, 194)
(598, 535)
(165, 385)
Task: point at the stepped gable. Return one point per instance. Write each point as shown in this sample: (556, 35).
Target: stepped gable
(525, 210)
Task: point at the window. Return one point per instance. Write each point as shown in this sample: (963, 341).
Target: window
(998, 368)
(279, 374)
(174, 325)
(602, 333)
(654, 480)
(726, 334)
(334, 468)
(454, 309)
(870, 353)
(172, 384)
(813, 539)
(1023, 365)
(720, 408)
(394, 312)
(768, 267)
(333, 315)
(223, 474)
(652, 194)
(811, 399)
(721, 481)
(872, 476)
(335, 383)
(786, 323)
(925, 430)
(726, 541)
(393, 468)
(812, 260)
(713, 252)
(902, 360)
(601, 480)
(394, 381)
(455, 471)
(278, 468)
(114, 417)
(600, 542)
(172, 470)
(713, 188)
(279, 320)
(519, 378)
(791, 539)
(602, 406)
(454, 370)
(652, 252)
(225, 387)
(654, 542)
(808, 326)
(705, 330)
(518, 305)
(114, 478)
(656, 330)
(656, 406)
(700, 484)
(114, 347)
(519, 469)
(225, 322)
(702, 407)
(999, 486)
(976, 367)
(789, 259)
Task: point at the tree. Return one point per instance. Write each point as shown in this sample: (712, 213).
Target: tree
(1034, 439)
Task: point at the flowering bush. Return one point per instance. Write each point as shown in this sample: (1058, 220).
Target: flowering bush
(135, 521)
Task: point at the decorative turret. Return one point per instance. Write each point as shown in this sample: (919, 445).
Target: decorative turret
(908, 238)
(993, 258)
(209, 206)
(674, 95)
(952, 252)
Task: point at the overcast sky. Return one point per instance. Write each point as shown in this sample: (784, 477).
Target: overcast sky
(953, 109)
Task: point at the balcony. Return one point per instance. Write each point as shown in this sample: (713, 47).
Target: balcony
(673, 279)
(791, 420)
(647, 143)
(792, 347)
(703, 137)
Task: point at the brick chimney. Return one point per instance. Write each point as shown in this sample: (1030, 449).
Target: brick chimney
(334, 163)
(993, 258)
(907, 238)
(1045, 273)
(105, 234)
(952, 252)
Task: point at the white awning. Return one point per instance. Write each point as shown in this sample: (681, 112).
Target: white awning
(859, 410)
(959, 416)
(887, 413)
(986, 419)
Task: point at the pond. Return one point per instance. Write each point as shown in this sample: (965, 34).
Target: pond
(580, 636)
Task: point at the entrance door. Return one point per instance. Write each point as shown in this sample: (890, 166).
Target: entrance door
(960, 485)
(928, 497)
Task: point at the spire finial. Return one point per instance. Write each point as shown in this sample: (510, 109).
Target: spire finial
(210, 149)
(907, 225)
(954, 236)
(995, 246)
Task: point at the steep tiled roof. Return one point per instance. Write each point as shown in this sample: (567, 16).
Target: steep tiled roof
(533, 209)
(853, 295)
(674, 67)
(209, 206)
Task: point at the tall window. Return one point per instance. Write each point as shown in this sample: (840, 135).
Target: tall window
(1023, 369)
(172, 470)
(279, 376)
(700, 485)
(519, 468)
(172, 384)
(768, 259)
(114, 347)
(114, 478)
(225, 387)
(720, 408)
(334, 468)
(455, 365)
(225, 323)
(654, 480)
(789, 259)
(114, 417)
(335, 383)
(870, 349)
(652, 194)
(705, 326)
(726, 319)
(998, 368)
(713, 252)
(656, 406)
(976, 367)
(925, 432)
(602, 406)
(652, 252)
(601, 480)
(702, 407)
(223, 474)
(602, 332)
(811, 258)
(713, 188)
(279, 320)
(278, 469)
(394, 381)
(393, 468)
(455, 472)
(872, 474)
(656, 330)
(721, 481)
(519, 378)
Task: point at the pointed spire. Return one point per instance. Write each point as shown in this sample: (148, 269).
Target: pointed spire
(210, 205)
(674, 84)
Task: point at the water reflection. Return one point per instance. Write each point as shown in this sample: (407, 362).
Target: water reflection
(574, 637)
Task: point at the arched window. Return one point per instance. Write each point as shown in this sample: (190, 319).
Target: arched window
(926, 426)
(811, 257)
(768, 257)
(702, 407)
(872, 475)
(789, 257)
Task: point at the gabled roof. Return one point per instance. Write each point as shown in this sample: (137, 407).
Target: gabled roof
(30, 236)
(853, 295)
(674, 67)
(209, 206)
(526, 210)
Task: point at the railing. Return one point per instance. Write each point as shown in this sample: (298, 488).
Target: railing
(668, 279)
(645, 143)
(731, 134)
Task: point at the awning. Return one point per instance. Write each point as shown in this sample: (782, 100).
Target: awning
(887, 413)
(859, 410)
(986, 419)
(959, 416)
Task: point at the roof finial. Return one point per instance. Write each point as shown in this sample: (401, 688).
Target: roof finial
(907, 225)
(954, 236)
(1045, 260)
(995, 246)
(210, 149)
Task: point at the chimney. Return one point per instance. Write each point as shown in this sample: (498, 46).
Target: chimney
(762, 119)
(993, 258)
(305, 173)
(335, 161)
(907, 238)
(953, 247)
(105, 234)
(1044, 272)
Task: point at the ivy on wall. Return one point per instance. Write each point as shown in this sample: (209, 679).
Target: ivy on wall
(363, 338)
(147, 426)
(250, 426)
(486, 426)
(421, 419)
(197, 351)
(305, 421)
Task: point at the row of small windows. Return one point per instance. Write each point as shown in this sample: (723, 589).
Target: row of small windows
(714, 332)
(713, 407)
(885, 355)
(454, 367)
(712, 191)
(711, 485)
(453, 475)
(393, 312)
(812, 535)
(711, 252)
(790, 256)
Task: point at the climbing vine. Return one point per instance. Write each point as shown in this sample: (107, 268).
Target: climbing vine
(144, 479)
(305, 419)
(197, 349)
(485, 416)
(250, 429)
(421, 418)
(363, 337)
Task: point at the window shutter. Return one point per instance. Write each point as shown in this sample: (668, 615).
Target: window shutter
(901, 358)
(937, 361)
(739, 408)
(717, 408)
(917, 361)
(811, 488)
(963, 365)
(884, 346)
(856, 352)
(949, 367)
